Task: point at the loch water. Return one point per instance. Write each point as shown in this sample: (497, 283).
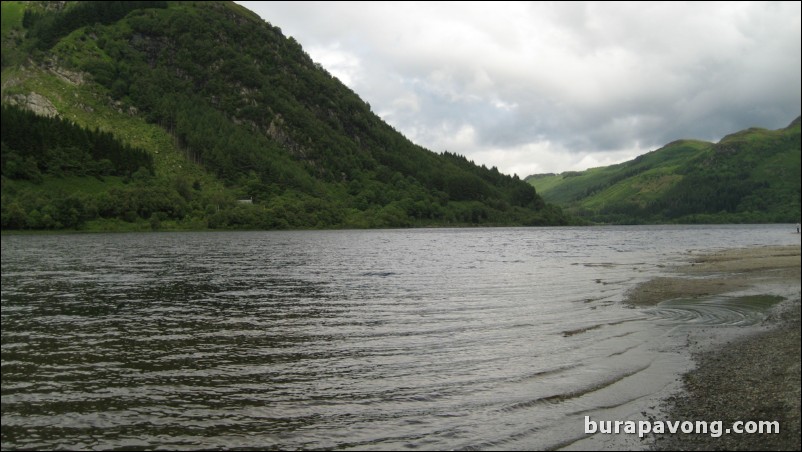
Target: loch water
(428, 339)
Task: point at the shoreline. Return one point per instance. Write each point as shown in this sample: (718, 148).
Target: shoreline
(752, 378)
(751, 374)
(721, 272)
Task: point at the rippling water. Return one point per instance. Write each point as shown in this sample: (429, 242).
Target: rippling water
(393, 339)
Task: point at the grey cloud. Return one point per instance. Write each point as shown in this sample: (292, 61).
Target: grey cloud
(560, 82)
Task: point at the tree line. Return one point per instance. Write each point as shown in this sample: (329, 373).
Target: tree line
(33, 145)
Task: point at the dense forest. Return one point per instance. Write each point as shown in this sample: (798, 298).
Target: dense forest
(752, 176)
(179, 111)
(34, 145)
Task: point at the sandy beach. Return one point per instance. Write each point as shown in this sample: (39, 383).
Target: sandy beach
(753, 375)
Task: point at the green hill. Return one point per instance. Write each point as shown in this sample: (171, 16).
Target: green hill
(749, 176)
(226, 108)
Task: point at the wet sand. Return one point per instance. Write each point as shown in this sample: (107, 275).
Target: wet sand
(722, 272)
(752, 376)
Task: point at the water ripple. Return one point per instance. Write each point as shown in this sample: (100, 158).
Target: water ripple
(717, 310)
(427, 339)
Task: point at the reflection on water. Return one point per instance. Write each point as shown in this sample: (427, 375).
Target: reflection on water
(428, 339)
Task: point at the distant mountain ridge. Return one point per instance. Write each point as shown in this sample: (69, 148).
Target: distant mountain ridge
(751, 176)
(227, 108)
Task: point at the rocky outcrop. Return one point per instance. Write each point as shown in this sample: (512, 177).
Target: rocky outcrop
(71, 77)
(34, 102)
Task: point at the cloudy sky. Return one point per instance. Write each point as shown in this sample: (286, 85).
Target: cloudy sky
(549, 87)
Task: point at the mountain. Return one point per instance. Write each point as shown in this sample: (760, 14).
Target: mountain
(749, 176)
(177, 115)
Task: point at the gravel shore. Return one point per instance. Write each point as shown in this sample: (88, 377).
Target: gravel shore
(756, 378)
(751, 376)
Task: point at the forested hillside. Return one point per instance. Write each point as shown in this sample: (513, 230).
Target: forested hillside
(752, 176)
(176, 112)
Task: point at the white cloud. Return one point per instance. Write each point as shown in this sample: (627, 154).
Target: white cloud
(549, 87)
(339, 62)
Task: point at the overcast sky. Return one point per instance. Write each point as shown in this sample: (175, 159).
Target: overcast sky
(550, 87)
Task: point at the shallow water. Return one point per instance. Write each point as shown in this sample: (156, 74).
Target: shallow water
(396, 339)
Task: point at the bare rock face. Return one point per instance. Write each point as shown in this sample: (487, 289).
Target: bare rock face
(71, 77)
(34, 102)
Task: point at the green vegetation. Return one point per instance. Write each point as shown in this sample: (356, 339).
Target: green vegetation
(12, 16)
(169, 112)
(33, 145)
(750, 176)
(45, 28)
(11, 31)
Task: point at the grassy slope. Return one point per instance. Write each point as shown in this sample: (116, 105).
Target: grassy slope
(768, 159)
(12, 16)
(640, 179)
(80, 103)
(76, 97)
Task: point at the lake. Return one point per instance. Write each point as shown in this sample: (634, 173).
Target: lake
(493, 338)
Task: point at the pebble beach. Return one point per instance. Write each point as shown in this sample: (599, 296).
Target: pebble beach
(750, 375)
